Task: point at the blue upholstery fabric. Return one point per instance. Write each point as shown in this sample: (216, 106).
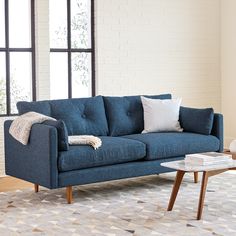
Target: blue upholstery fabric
(81, 115)
(62, 134)
(112, 172)
(119, 157)
(218, 129)
(42, 107)
(196, 120)
(125, 114)
(172, 144)
(113, 150)
(35, 162)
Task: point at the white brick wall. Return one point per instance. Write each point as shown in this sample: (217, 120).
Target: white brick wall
(42, 49)
(157, 46)
(228, 75)
(147, 47)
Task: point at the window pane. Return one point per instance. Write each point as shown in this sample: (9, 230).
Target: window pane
(2, 24)
(80, 24)
(20, 78)
(59, 75)
(2, 84)
(58, 23)
(81, 75)
(19, 23)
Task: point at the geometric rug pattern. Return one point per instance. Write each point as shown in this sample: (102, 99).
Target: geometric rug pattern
(132, 207)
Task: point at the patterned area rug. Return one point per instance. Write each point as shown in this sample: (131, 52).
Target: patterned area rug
(128, 207)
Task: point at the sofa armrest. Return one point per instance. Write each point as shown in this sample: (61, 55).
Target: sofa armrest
(35, 162)
(218, 129)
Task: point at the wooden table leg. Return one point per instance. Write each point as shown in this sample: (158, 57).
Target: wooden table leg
(178, 180)
(205, 176)
(202, 194)
(195, 177)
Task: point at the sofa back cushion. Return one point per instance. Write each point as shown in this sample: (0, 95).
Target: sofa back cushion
(197, 120)
(125, 114)
(81, 115)
(42, 107)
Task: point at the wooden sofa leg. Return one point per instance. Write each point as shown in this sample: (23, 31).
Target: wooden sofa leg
(69, 196)
(195, 177)
(36, 188)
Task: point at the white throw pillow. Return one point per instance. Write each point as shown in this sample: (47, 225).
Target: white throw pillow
(161, 115)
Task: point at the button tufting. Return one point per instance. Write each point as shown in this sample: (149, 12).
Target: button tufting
(83, 116)
(128, 113)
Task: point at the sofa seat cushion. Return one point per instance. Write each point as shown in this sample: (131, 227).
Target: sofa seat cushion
(171, 144)
(114, 150)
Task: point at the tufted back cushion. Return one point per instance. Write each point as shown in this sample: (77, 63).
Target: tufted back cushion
(125, 114)
(81, 115)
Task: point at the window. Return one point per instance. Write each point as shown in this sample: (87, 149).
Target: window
(17, 54)
(72, 48)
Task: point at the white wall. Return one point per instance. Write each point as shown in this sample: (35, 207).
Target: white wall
(42, 45)
(158, 46)
(147, 47)
(228, 65)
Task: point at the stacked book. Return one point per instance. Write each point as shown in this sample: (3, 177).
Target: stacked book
(208, 158)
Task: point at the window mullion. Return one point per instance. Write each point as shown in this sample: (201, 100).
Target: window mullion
(20, 50)
(33, 61)
(93, 48)
(7, 58)
(9, 51)
(69, 47)
(87, 54)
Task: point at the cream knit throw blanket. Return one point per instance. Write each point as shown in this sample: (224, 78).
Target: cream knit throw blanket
(21, 126)
(91, 140)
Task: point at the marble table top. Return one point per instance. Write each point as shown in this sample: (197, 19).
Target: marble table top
(181, 165)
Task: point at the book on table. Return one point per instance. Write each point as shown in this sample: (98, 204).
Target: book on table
(207, 158)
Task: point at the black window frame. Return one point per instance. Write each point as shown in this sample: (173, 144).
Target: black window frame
(8, 50)
(70, 50)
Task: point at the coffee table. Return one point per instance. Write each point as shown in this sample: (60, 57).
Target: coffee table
(208, 171)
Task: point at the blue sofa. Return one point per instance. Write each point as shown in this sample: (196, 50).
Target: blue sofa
(124, 153)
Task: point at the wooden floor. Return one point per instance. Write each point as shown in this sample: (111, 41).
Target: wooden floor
(11, 184)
